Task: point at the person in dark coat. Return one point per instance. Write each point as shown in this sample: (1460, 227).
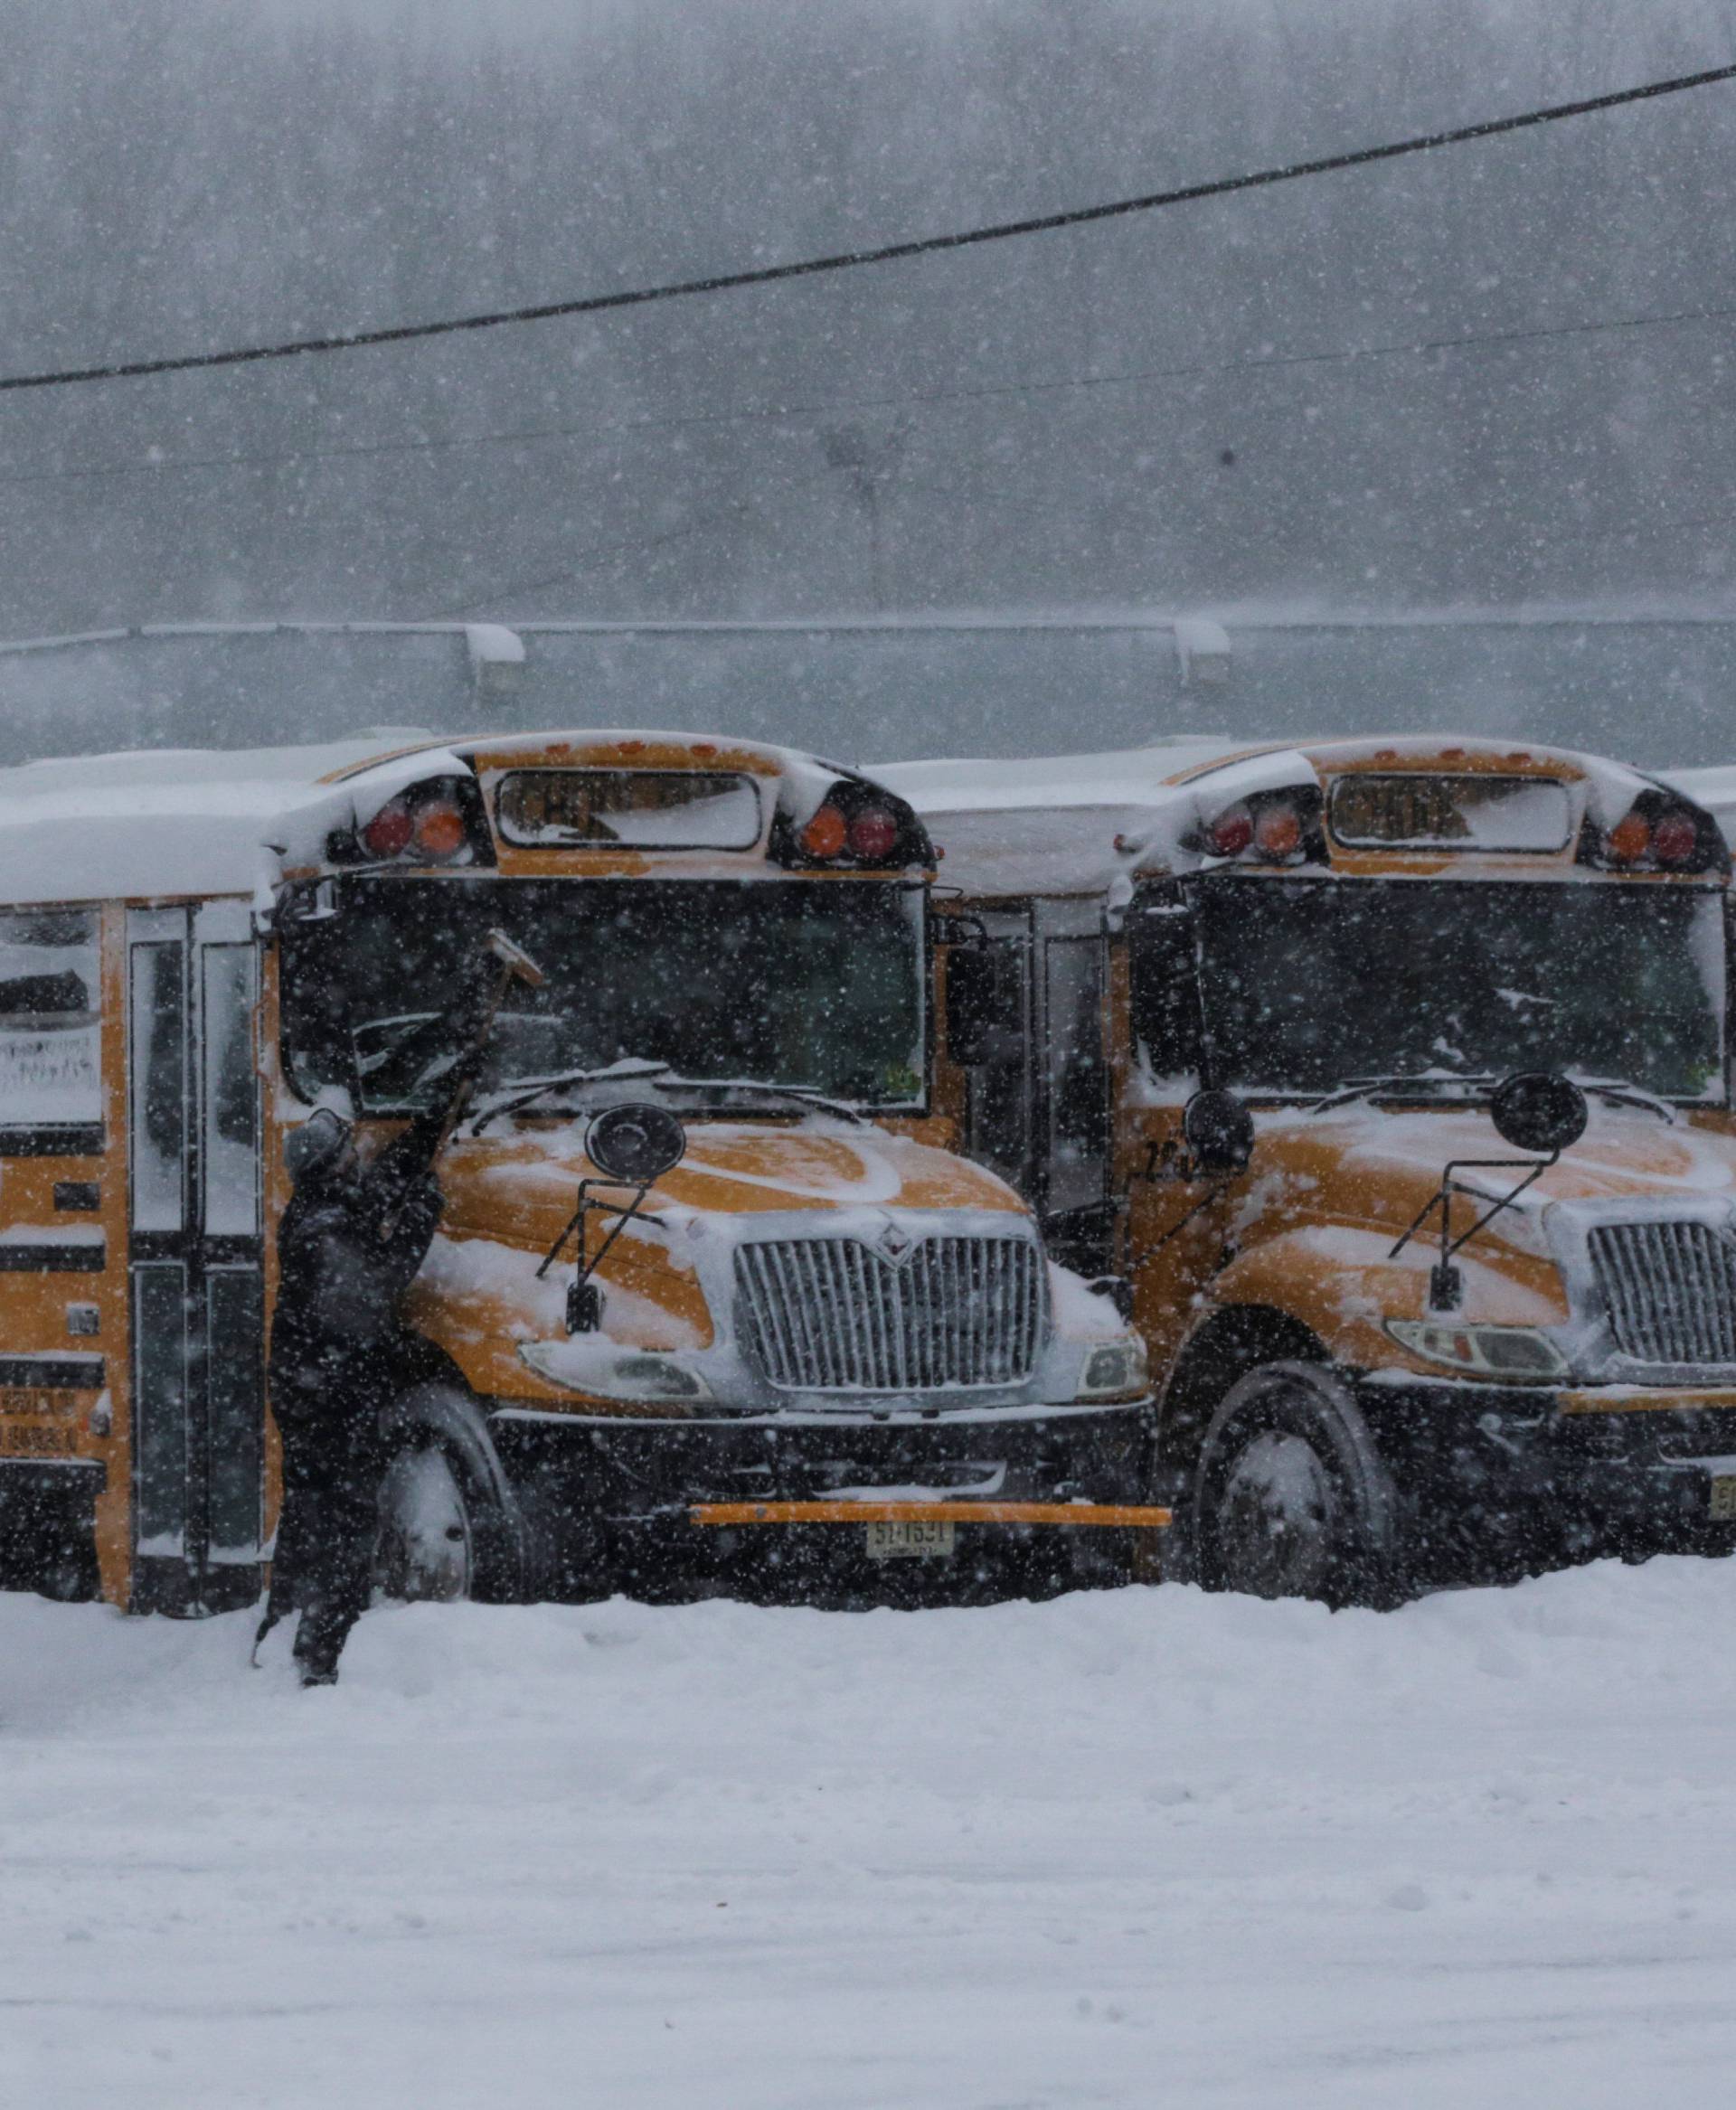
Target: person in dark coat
(350, 1241)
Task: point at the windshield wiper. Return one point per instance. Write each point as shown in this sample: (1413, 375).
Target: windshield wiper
(662, 1078)
(800, 1093)
(1423, 1084)
(1621, 1093)
(632, 1071)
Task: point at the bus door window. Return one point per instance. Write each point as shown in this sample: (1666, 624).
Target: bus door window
(159, 1090)
(230, 1254)
(195, 1257)
(1076, 1075)
(158, 1134)
(1166, 993)
(988, 1036)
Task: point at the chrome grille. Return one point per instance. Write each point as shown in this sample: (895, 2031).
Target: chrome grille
(834, 1316)
(1669, 1289)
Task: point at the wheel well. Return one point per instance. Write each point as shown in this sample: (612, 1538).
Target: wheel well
(1229, 1344)
(449, 1418)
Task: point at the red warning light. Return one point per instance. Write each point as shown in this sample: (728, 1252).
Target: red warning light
(388, 831)
(873, 835)
(1231, 831)
(1674, 837)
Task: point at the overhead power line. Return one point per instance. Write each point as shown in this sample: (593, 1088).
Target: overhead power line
(969, 392)
(888, 253)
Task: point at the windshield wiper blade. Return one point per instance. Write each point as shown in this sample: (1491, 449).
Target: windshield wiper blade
(1622, 1093)
(629, 1072)
(802, 1095)
(1424, 1083)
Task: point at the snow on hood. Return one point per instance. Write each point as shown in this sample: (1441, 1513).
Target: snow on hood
(1377, 1165)
(731, 1168)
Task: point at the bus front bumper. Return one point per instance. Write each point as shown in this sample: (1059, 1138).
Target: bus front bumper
(830, 1500)
(1655, 1460)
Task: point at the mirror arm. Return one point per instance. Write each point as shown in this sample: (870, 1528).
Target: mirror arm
(588, 1206)
(1445, 1284)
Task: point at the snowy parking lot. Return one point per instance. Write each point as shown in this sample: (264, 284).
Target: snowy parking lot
(1141, 1848)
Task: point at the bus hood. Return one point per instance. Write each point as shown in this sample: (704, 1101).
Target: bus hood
(522, 1186)
(1367, 1164)
(1328, 1195)
(670, 1282)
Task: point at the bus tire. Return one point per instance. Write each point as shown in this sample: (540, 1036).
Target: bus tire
(1291, 1498)
(427, 1548)
(450, 1525)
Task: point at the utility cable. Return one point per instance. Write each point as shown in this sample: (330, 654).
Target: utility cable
(889, 252)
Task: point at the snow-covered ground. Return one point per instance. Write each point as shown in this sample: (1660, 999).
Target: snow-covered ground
(1139, 1849)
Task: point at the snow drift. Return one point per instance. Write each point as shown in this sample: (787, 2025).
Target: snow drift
(1131, 1849)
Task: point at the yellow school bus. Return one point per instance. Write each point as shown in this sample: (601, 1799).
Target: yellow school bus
(1391, 1075)
(712, 1301)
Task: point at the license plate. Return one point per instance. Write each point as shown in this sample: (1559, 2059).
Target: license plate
(911, 1538)
(1723, 1498)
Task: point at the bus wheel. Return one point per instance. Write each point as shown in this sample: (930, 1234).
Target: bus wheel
(427, 1548)
(1290, 1498)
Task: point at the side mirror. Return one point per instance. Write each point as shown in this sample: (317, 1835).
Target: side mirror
(515, 963)
(1218, 1132)
(1537, 1110)
(984, 1002)
(635, 1144)
(584, 1307)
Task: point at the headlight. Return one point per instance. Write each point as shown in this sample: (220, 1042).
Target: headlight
(608, 1372)
(1517, 1354)
(1114, 1368)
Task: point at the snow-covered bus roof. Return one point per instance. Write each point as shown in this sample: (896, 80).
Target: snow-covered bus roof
(1085, 823)
(1715, 790)
(163, 824)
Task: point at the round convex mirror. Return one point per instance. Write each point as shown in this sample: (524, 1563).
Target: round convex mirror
(635, 1144)
(1537, 1110)
(1219, 1131)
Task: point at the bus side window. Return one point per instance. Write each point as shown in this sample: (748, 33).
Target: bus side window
(51, 1021)
(1165, 984)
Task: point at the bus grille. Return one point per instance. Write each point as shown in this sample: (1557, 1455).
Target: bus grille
(1670, 1290)
(834, 1316)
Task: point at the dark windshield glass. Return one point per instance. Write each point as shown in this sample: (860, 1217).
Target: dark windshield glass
(1309, 983)
(814, 985)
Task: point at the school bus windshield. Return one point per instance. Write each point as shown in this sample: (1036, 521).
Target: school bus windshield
(1307, 984)
(817, 986)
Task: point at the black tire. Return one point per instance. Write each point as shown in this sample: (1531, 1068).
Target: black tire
(1290, 1498)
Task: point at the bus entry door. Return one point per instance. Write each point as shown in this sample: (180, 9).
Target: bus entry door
(1037, 1105)
(195, 1257)
(1073, 1085)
